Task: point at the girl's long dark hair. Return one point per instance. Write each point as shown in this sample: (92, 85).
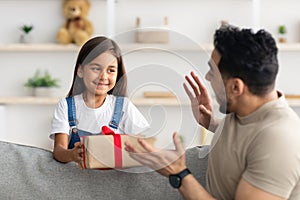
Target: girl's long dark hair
(89, 51)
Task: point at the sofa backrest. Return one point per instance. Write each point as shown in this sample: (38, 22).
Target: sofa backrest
(32, 173)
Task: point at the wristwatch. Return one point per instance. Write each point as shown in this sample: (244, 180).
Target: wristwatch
(175, 179)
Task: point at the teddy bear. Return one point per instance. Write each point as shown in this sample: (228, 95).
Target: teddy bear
(77, 28)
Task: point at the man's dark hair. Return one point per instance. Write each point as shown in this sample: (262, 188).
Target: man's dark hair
(250, 56)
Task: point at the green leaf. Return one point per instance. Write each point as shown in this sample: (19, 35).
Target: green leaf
(282, 29)
(42, 80)
(26, 28)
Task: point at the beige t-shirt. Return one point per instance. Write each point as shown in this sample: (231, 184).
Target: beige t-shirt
(263, 148)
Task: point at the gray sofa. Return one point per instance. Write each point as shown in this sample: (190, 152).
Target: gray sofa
(32, 173)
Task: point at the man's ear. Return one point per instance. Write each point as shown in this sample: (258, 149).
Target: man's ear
(237, 86)
(80, 72)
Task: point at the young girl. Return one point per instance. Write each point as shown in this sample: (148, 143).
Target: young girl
(96, 99)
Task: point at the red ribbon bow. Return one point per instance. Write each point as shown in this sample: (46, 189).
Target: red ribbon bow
(117, 145)
(107, 131)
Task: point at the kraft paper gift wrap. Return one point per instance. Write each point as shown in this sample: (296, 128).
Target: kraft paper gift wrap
(107, 151)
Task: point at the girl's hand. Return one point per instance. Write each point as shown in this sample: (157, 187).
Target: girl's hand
(77, 154)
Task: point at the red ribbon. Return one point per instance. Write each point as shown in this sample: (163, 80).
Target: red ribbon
(117, 145)
(83, 154)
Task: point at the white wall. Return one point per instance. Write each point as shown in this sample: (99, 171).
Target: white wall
(45, 15)
(196, 20)
(275, 12)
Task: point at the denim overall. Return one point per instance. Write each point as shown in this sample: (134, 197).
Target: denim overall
(77, 133)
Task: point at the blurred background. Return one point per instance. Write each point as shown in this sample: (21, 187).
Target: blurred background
(173, 38)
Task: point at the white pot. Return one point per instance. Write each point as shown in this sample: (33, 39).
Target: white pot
(25, 38)
(42, 91)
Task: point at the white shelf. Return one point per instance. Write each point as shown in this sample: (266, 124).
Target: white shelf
(288, 46)
(53, 47)
(45, 47)
(294, 102)
(30, 100)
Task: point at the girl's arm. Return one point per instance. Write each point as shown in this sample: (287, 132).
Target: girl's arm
(61, 152)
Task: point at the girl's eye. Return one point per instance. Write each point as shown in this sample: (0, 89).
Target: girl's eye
(96, 69)
(111, 70)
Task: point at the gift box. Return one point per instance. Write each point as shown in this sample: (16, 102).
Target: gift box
(107, 151)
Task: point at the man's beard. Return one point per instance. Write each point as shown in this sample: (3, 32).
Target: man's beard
(223, 108)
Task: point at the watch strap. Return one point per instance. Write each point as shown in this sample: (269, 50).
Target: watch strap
(184, 173)
(176, 179)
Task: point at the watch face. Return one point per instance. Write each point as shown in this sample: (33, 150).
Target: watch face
(175, 181)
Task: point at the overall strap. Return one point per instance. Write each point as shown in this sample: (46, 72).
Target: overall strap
(118, 112)
(71, 112)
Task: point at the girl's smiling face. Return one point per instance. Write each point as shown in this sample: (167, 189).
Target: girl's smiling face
(100, 75)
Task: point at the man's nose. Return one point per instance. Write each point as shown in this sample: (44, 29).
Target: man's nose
(208, 76)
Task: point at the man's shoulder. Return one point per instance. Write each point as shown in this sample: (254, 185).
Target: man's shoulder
(281, 112)
(278, 110)
(280, 124)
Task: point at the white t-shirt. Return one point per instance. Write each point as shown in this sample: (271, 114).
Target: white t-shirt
(92, 120)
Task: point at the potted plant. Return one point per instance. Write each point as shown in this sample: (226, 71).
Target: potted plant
(282, 33)
(42, 84)
(25, 36)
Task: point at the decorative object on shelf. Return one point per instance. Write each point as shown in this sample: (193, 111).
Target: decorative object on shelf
(292, 96)
(224, 23)
(77, 28)
(159, 95)
(152, 35)
(42, 84)
(282, 34)
(181, 137)
(25, 36)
